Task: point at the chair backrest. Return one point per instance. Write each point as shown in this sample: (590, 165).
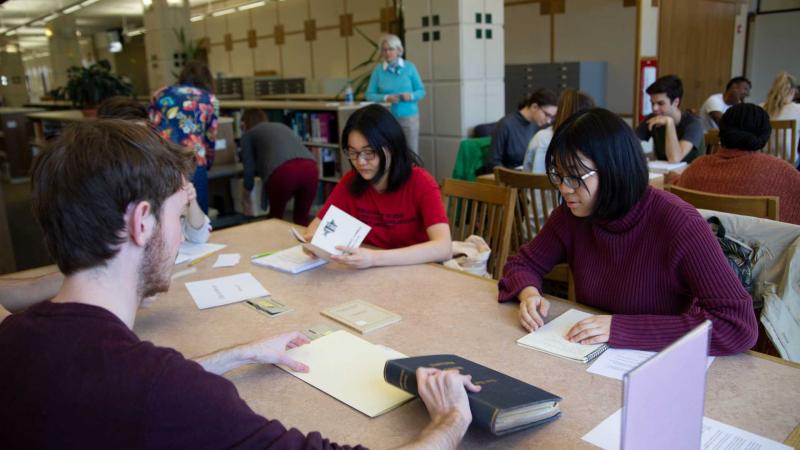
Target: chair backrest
(745, 205)
(485, 210)
(536, 199)
(783, 140)
(712, 141)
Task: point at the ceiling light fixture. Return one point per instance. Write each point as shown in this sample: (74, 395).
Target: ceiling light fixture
(197, 18)
(251, 5)
(71, 9)
(136, 32)
(50, 17)
(223, 12)
(88, 3)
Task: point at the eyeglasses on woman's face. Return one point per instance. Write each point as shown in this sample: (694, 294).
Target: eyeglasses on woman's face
(367, 154)
(569, 181)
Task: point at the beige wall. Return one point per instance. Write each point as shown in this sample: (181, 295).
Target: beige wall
(329, 56)
(588, 30)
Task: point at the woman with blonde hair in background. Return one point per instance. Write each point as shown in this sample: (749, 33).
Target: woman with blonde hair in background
(780, 102)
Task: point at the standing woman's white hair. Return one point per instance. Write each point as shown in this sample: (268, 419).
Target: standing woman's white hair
(396, 81)
(393, 42)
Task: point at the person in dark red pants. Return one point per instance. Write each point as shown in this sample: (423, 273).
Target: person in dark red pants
(287, 169)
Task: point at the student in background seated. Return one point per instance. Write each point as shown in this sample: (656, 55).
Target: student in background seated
(641, 254)
(715, 106)
(389, 191)
(740, 168)
(513, 132)
(76, 376)
(569, 102)
(677, 136)
(287, 169)
(780, 104)
(196, 225)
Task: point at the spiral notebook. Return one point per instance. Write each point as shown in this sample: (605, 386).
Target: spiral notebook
(551, 339)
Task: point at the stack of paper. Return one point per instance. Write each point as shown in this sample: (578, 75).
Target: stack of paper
(291, 260)
(716, 435)
(225, 290)
(551, 338)
(350, 369)
(664, 166)
(191, 251)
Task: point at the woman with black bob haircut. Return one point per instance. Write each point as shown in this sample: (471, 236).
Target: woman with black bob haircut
(641, 254)
(388, 190)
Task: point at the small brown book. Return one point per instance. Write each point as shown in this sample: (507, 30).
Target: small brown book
(361, 316)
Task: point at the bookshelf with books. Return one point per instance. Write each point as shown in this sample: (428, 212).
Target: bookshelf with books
(318, 124)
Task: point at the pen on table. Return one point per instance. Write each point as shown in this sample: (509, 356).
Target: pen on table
(260, 255)
(197, 260)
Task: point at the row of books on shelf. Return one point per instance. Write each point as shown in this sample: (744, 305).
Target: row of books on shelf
(314, 127)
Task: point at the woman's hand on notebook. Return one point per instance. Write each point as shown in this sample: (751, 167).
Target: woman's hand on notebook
(533, 308)
(594, 330)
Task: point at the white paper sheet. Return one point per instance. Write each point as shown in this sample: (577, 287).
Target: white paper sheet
(614, 362)
(225, 290)
(292, 260)
(350, 369)
(190, 251)
(664, 166)
(716, 436)
(227, 260)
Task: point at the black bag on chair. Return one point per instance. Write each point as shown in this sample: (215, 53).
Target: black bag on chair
(740, 257)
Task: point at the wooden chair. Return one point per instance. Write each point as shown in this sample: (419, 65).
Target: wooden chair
(745, 205)
(485, 210)
(536, 200)
(783, 140)
(712, 141)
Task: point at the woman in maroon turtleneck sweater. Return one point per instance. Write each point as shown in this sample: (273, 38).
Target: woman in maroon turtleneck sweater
(639, 253)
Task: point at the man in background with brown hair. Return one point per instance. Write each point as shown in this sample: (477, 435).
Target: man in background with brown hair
(109, 196)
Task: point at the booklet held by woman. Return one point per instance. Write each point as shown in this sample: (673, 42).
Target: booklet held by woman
(337, 228)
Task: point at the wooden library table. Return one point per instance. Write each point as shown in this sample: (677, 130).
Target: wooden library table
(443, 311)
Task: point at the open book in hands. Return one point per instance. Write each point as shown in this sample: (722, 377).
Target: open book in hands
(337, 228)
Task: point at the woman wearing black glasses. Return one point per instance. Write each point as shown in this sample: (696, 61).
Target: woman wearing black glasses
(641, 254)
(389, 191)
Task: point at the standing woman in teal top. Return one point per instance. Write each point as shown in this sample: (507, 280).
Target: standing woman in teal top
(397, 81)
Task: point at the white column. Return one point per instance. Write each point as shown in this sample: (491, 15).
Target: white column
(165, 55)
(65, 50)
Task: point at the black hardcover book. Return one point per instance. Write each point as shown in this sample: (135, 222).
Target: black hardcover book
(503, 405)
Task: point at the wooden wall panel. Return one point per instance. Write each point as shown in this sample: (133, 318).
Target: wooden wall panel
(366, 9)
(696, 43)
(267, 56)
(293, 14)
(216, 27)
(329, 55)
(238, 24)
(296, 60)
(326, 12)
(241, 60)
(218, 60)
(264, 19)
(359, 48)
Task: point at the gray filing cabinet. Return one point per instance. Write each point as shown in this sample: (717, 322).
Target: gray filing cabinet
(587, 76)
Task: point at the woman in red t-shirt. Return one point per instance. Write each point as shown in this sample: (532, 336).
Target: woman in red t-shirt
(389, 191)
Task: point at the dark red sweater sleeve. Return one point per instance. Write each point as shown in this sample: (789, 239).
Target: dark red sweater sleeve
(718, 297)
(191, 408)
(535, 259)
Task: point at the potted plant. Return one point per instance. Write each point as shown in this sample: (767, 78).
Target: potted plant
(88, 86)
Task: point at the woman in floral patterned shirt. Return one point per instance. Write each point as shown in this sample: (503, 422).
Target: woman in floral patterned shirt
(186, 113)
